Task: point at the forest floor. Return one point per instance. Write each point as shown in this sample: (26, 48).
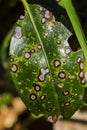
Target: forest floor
(10, 118)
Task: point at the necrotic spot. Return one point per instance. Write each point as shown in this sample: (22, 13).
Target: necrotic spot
(83, 81)
(27, 55)
(39, 47)
(18, 32)
(48, 15)
(43, 73)
(22, 17)
(60, 85)
(51, 27)
(14, 68)
(40, 8)
(52, 119)
(62, 75)
(41, 78)
(53, 80)
(81, 66)
(49, 109)
(57, 63)
(67, 104)
(33, 97)
(79, 59)
(32, 51)
(71, 96)
(39, 110)
(11, 59)
(81, 74)
(37, 87)
(67, 50)
(58, 42)
(42, 97)
(65, 92)
(43, 20)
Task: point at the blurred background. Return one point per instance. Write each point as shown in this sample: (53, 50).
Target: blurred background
(13, 113)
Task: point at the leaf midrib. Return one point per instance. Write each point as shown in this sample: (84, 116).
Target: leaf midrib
(36, 30)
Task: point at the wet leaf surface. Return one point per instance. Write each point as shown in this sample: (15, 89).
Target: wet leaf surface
(48, 75)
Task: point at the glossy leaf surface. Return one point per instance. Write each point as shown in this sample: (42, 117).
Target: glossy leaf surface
(48, 75)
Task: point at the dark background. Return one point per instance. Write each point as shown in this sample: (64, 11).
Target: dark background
(10, 12)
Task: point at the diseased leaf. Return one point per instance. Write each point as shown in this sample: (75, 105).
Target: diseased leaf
(48, 75)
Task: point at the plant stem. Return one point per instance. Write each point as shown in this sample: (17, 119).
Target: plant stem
(67, 4)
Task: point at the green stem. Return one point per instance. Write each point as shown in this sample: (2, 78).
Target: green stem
(26, 6)
(67, 4)
(28, 121)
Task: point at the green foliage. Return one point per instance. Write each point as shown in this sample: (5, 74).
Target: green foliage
(5, 99)
(48, 75)
(67, 4)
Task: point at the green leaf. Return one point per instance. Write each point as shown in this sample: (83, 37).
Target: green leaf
(48, 75)
(30, 65)
(68, 5)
